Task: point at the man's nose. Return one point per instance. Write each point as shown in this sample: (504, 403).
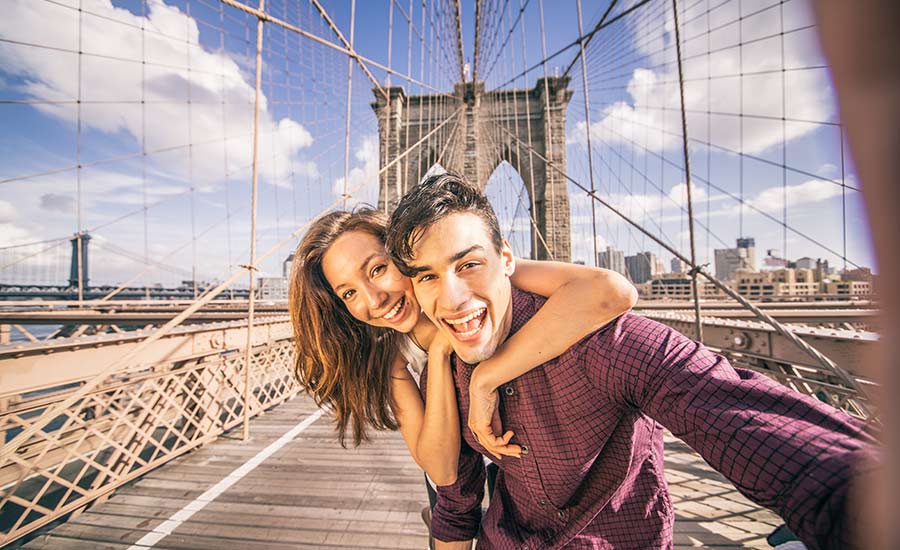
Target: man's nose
(454, 293)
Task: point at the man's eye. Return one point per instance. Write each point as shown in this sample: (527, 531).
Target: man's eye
(425, 278)
(468, 265)
(348, 294)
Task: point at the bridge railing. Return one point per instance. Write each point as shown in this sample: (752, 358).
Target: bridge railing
(755, 345)
(139, 419)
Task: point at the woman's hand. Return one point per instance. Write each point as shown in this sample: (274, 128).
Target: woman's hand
(484, 419)
(440, 347)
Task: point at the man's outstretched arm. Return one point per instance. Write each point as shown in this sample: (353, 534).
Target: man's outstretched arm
(784, 450)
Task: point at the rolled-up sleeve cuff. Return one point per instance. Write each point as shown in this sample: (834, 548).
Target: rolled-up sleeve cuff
(451, 527)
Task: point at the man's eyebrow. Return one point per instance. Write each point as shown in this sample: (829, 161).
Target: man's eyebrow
(462, 254)
(361, 268)
(454, 258)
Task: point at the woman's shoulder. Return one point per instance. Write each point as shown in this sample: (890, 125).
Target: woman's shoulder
(416, 358)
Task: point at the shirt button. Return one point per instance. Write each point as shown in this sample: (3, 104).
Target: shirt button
(509, 390)
(561, 514)
(543, 503)
(524, 450)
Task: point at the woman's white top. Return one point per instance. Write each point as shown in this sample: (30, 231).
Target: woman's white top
(416, 358)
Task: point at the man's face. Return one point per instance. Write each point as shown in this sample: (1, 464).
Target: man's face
(464, 287)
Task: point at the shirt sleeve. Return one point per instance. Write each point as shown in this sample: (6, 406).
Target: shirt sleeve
(457, 513)
(781, 449)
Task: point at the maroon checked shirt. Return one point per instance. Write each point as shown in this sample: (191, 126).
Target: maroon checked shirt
(590, 424)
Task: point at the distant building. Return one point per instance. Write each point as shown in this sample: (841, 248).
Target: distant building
(273, 288)
(642, 267)
(749, 245)
(851, 288)
(821, 269)
(660, 267)
(730, 261)
(613, 259)
(863, 274)
(773, 260)
(780, 282)
(678, 266)
(677, 286)
(286, 266)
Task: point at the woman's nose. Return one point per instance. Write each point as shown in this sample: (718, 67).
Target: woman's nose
(375, 297)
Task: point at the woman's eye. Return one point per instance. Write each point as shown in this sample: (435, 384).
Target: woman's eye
(424, 278)
(348, 294)
(378, 270)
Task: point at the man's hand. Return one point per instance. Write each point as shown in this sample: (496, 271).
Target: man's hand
(458, 545)
(484, 420)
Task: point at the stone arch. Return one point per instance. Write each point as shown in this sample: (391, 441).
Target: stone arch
(403, 120)
(525, 243)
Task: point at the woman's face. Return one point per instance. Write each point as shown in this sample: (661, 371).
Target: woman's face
(363, 277)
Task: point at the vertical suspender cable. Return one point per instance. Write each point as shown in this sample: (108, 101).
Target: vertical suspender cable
(349, 95)
(190, 148)
(79, 241)
(144, 143)
(587, 122)
(251, 267)
(536, 232)
(687, 177)
(548, 139)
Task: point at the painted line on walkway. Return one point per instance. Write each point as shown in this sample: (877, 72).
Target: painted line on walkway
(165, 528)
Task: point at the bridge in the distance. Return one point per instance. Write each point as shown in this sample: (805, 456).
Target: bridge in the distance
(168, 154)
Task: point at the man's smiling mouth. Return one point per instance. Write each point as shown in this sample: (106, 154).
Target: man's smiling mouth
(469, 325)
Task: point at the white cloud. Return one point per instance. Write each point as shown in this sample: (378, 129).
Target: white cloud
(8, 212)
(13, 234)
(362, 176)
(220, 90)
(650, 117)
(771, 200)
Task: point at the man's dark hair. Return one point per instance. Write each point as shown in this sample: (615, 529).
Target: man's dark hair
(429, 202)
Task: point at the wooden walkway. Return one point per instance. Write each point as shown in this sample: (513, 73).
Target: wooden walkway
(313, 494)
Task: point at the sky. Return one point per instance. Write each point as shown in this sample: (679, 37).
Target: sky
(145, 139)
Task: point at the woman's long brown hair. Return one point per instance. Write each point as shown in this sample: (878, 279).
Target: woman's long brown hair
(339, 360)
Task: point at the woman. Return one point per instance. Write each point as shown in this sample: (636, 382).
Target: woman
(357, 325)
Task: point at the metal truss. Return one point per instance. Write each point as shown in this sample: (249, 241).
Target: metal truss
(139, 419)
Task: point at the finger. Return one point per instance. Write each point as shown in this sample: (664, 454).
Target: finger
(493, 452)
(496, 424)
(501, 445)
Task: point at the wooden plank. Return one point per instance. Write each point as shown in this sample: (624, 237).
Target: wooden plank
(314, 494)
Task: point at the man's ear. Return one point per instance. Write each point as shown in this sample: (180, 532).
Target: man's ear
(508, 258)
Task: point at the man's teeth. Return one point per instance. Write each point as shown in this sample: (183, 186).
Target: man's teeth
(467, 318)
(468, 325)
(390, 314)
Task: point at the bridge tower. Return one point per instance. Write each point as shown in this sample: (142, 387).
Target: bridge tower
(492, 127)
(79, 245)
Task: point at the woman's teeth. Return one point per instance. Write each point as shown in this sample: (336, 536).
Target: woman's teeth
(393, 312)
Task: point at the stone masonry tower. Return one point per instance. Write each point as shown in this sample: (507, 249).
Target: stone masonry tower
(489, 128)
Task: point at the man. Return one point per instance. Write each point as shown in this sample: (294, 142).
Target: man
(590, 422)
